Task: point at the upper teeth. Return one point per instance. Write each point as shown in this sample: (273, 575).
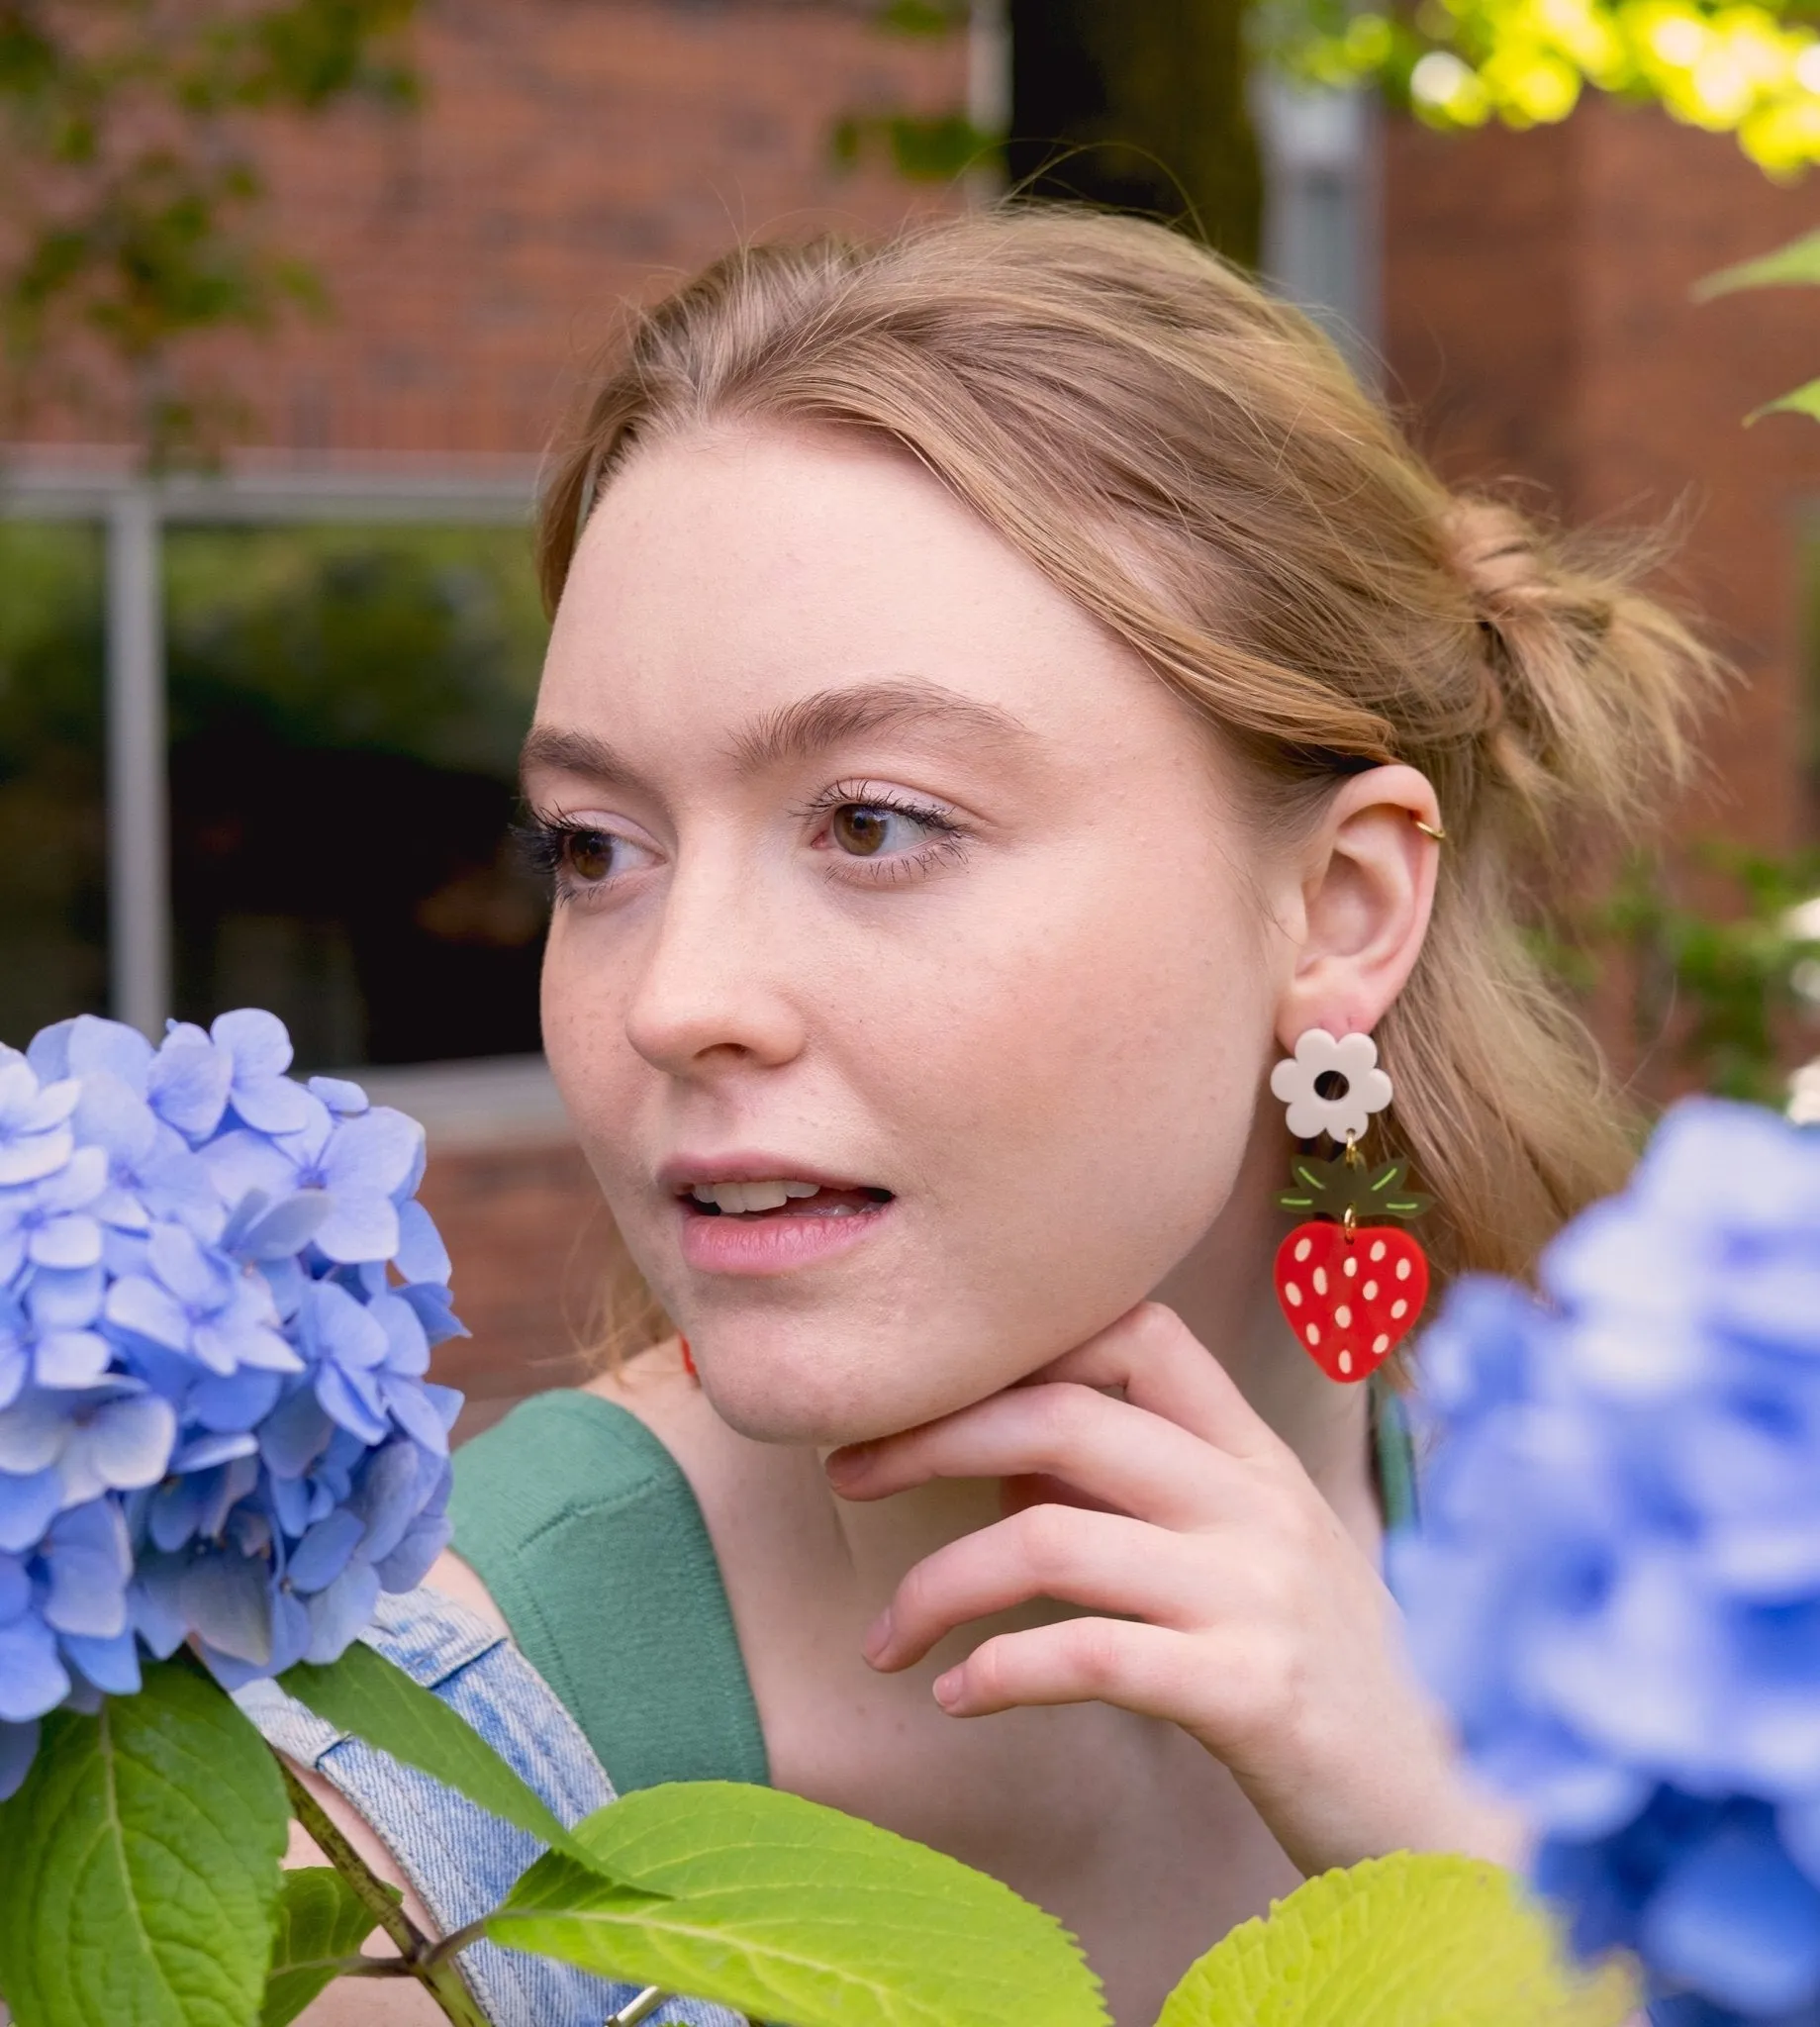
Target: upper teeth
(750, 1196)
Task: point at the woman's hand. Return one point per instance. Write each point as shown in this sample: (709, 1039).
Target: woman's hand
(1243, 1611)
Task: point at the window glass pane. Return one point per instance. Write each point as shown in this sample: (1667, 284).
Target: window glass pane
(346, 706)
(53, 819)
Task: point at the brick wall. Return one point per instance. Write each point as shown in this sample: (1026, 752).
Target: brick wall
(1539, 325)
(568, 154)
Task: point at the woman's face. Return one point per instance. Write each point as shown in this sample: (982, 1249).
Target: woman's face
(906, 984)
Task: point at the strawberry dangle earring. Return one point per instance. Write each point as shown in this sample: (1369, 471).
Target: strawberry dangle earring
(1350, 1286)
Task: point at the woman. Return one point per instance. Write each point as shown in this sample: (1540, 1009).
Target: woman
(1007, 687)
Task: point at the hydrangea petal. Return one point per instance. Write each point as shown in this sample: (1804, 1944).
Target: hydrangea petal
(137, 1303)
(29, 1157)
(33, 1432)
(187, 1084)
(60, 1301)
(345, 1098)
(227, 1598)
(131, 1440)
(32, 1678)
(373, 1152)
(294, 1434)
(270, 1104)
(337, 1612)
(263, 1229)
(27, 1505)
(93, 1046)
(112, 1666)
(360, 1226)
(71, 1358)
(230, 1403)
(89, 1562)
(69, 1242)
(344, 1330)
(1738, 1922)
(324, 1552)
(351, 1400)
(422, 1256)
(255, 1039)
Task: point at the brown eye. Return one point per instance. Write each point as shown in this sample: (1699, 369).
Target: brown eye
(589, 855)
(861, 828)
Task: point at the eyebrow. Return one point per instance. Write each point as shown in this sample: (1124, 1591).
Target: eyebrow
(798, 732)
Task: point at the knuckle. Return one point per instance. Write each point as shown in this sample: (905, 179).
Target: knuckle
(1048, 1539)
(1093, 1653)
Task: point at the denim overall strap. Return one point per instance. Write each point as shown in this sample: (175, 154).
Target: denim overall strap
(462, 1860)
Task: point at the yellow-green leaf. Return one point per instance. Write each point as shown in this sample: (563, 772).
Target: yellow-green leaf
(787, 1910)
(1804, 400)
(1791, 266)
(1415, 1940)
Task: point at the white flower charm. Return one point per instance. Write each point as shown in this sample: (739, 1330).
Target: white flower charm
(1364, 1088)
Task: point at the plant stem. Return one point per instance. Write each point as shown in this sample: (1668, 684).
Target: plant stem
(420, 1959)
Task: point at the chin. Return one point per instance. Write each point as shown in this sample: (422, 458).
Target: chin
(789, 1390)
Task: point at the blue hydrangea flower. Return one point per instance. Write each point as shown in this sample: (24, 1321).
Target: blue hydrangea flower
(218, 1300)
(1616, 1587)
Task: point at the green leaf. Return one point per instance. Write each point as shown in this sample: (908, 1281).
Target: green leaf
(1803, 401)
(1415, 1940)
(1790, 266)
(322, 1922)
(139, 1863)
(787, 1910)
(364, 1693)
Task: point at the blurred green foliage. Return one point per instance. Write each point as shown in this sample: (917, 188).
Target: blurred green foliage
(345, 705)
(1714, 961)
(129, 158)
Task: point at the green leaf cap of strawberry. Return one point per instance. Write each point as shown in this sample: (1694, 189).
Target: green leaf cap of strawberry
(1329, 1188)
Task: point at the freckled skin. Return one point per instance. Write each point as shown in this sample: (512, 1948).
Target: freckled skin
(1050, 1051)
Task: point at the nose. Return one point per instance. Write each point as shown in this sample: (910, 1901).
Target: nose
(710, 993)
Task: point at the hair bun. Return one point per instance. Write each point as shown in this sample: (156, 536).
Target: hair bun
(1493, 551)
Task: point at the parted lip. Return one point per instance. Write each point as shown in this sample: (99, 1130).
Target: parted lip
(681, 1172)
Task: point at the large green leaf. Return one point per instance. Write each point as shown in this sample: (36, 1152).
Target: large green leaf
(1416, 1940)
(138, 1864)
(1788, 266)
(363, 1693)
(322, 1921)
(794, 1912)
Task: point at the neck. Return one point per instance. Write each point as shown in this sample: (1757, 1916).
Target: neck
(1223, 1293)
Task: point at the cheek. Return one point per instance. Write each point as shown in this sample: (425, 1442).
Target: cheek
(583, 1042)
(1079, 1087)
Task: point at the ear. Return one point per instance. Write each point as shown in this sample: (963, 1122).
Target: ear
(1366, 889)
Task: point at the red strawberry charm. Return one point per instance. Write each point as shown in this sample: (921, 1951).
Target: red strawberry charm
(1350, 1290)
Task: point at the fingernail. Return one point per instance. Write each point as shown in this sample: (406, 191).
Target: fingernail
(948, 1689)
(878, 1636)
(844, 1464)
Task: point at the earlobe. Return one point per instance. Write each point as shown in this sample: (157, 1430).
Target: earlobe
(1366, 896)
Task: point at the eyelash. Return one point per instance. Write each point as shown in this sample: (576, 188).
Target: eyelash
(949, 842)
(546, 841)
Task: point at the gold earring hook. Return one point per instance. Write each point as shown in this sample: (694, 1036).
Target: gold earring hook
(1433, 830)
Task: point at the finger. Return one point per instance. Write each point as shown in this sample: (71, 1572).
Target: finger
(1148, 1670)
(1129, 1459)
(1100, 1560)
(1152, 1357)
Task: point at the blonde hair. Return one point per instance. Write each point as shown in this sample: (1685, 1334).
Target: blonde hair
(1194, 464)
